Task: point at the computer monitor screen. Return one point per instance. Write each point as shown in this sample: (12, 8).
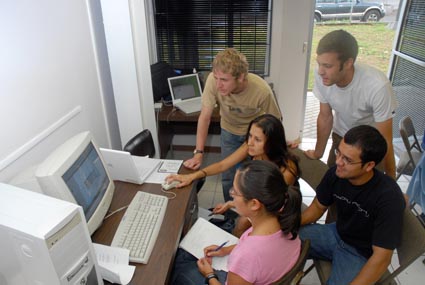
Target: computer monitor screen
(87, 180)
(75, 172)
(185, 87)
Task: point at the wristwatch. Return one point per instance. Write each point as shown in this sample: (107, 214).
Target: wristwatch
(209, 277)
(198, 151)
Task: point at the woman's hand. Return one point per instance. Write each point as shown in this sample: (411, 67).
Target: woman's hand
(184, 179)
(210, 251)
(221, 208)
(204, 266)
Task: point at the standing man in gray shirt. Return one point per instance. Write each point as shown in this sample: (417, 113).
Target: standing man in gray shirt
(350, 94)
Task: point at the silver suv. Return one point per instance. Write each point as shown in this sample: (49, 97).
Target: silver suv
(341, 9)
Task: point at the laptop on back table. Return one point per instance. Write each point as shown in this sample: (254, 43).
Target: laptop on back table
(186, 92)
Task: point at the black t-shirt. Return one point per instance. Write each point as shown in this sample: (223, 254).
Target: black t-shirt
(369, 214)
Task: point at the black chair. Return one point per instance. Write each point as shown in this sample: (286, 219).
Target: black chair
(141, 144)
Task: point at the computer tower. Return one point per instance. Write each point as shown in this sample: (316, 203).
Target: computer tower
(44, 240)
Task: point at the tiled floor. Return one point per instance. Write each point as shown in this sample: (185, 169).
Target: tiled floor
(211, 194)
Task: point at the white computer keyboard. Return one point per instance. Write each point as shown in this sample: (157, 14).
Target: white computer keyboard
(140, 225)
(189, 106)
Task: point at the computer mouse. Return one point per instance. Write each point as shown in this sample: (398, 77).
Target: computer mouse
(171, 185)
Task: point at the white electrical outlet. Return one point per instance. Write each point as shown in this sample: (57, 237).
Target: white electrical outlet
(158, 105)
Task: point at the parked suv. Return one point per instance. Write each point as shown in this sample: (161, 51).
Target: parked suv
(341, 9)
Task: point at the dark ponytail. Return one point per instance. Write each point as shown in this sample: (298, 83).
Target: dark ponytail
(262, 180)
(290, 216)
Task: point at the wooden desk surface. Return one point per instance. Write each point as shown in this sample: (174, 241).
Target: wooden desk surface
(159, 266)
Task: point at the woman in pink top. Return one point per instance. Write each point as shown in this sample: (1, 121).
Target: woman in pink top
(268, 249)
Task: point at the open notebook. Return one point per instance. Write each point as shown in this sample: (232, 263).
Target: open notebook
(203, 234)
(125, 167)
(186, 92)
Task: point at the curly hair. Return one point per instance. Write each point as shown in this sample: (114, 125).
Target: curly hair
(232, 62)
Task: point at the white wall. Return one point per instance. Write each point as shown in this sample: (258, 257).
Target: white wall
(54, 79)
(128, 49)
(292, 27)
(290, 57)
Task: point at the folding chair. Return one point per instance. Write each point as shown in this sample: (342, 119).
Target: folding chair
(294, 276)
(409, 158)
(312, 171)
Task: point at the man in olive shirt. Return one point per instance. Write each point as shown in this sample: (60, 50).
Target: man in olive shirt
(241, 96)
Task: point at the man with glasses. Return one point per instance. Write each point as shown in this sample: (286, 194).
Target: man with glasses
(369, 208)
(350, 94)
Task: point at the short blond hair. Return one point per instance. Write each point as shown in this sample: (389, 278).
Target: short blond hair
(231, 61)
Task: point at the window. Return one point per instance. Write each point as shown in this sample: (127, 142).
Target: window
(408, 71)
(189, 33)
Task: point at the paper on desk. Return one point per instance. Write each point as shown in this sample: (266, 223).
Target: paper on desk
(169, 166)
(165, 168)
(113, 262)
(203, 234)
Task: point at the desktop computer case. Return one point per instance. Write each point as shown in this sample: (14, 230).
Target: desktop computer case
(44, 240)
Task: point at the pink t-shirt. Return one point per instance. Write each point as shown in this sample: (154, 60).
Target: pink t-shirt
(264, 259)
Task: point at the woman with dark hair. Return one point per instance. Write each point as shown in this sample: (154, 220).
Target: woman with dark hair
(265, 140)
(268, 249)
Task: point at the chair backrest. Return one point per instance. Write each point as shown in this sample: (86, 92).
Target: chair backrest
(312, 171)
(141, 144)
(411, 247)
(295, 275)
(407, 130)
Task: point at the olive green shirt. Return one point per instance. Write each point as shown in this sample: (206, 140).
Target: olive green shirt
(238, 110)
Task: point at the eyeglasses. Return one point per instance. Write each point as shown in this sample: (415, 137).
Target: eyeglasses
(345, 159)
(233, 193)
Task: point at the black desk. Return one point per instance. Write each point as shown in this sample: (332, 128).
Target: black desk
(181, 213)
(173, 121)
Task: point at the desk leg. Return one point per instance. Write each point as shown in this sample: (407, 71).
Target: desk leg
(165, 138)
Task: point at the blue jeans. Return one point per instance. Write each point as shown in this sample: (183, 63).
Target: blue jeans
(229, 144)
(326, 244)
(185, 271)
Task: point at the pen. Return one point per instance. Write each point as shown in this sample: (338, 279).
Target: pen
(221, 245)
(210, 214)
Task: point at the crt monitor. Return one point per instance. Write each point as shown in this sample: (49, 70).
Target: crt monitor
(75, 172)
